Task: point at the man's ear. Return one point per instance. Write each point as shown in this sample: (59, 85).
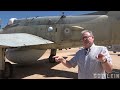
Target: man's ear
(93, 37)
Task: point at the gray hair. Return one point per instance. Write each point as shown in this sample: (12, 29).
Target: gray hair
(84, 31)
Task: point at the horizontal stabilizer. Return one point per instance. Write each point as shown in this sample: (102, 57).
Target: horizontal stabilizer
(21, 39)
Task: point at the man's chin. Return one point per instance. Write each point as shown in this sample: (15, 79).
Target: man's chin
(87, 44)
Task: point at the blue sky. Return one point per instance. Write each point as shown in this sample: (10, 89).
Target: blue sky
(6, 15)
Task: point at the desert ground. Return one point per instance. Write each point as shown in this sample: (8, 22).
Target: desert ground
(46, 70)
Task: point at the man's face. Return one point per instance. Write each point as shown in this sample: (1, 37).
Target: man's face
(87, 39)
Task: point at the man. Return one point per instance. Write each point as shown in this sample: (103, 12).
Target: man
(93, 61)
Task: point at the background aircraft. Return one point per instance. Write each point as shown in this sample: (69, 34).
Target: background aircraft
(26, 40)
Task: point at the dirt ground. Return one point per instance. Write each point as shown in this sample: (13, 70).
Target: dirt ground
(45, 70)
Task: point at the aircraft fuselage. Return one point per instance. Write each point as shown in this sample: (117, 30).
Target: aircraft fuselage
(65, 31)
(62, 33)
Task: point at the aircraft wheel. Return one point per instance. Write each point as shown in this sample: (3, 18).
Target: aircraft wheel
(8, 70)
(114, 51)
(51, 59)
(118, 54)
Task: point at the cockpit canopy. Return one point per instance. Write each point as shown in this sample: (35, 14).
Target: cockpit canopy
(11, 21)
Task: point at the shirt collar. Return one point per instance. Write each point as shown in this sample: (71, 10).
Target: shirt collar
(92, 46)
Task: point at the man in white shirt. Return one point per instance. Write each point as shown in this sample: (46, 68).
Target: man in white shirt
(93, 61)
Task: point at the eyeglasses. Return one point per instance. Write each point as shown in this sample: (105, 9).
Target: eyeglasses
(85, 37)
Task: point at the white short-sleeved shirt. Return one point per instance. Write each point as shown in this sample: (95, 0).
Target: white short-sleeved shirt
(88, 65)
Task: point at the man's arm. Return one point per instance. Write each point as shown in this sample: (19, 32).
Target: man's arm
(107, 66)
(63, 61)
(105, 60)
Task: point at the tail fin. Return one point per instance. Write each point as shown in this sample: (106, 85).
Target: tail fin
(115, 14)
(98, 13)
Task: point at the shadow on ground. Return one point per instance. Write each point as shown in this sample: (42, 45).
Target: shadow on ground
(43, 67)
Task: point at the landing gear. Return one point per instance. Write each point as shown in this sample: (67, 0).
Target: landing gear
(118, 54)
(6, 69)
(53, 53)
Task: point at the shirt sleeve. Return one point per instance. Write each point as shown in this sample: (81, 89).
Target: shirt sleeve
(107, 55)
(74, 60)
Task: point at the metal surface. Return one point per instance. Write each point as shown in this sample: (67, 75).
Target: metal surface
(21, 39)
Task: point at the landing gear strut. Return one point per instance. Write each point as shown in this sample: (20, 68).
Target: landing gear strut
(6, 69)
(53, 53)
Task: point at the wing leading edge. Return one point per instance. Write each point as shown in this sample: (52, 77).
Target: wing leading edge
(21, 39)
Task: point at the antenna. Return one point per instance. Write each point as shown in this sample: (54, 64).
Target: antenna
(63, 16)
(0, 23)
(62, 13)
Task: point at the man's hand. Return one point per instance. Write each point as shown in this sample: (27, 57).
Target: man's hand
(107, 66)
(58, 59)
(63, 61)
(101, 58)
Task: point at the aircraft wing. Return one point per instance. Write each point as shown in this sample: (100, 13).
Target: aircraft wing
(21, 40)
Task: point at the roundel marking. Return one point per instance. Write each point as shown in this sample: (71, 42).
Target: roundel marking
(67, 30)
